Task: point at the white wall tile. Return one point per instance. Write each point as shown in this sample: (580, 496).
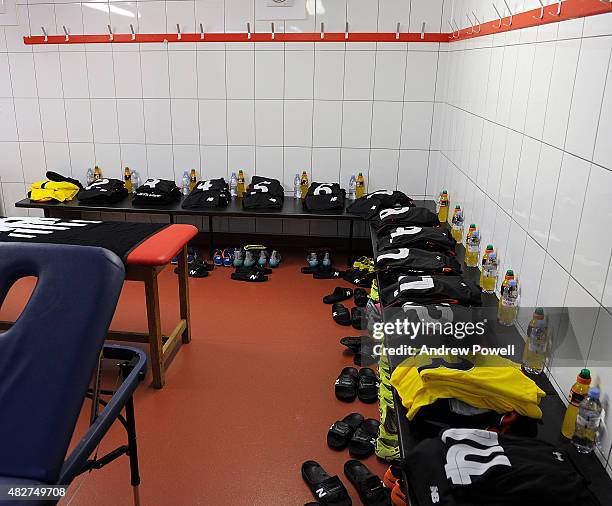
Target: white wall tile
(327, 124)
(326, 165)
(23, 76)
(48, 75)
(27, 114)
(134, 156)
(383, 169)
(186, 157)
(270, 162)
(185, 121)
(269, 122)
(33, 160)
(78, 120)
(390, 75)
(269, 74)
(241, 158)
(299, 74)
(10, 163)
(386, 125)
(540, 88)
(11, 193)
(240, 122)
(587, 97)
(213, 122)
(332, 13)
(416, 125)
(296, 160)
(603, 148)
(183, 73)
(356, 124)
(157, 121)
(421, 75)
(100, 74)
(53, 120)
(161, 162)
(523, 195)
(413, 171)
(211, 14)
(74, 74)
(329, 75)
(82, 157)
(240, 74)
(593, 249)
(57, 157)
(298, 122)
(214, 161)
(131, 121)
(211, 74)
(391, 12)
(359, 75)
(155, 80)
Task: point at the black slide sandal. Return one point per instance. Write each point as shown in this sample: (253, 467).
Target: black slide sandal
(367, 385)
(358, 319)
(346, 384)
(338, 295)
(363, 442)
(341, 432)
(370, 487)
(328, 490)
(341, 315)
(361, 297)
(250, 276)
(354, 343)
(327, 274)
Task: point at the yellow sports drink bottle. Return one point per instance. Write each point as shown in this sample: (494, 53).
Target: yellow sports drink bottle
(127, 176)
(508, 304)
(97, 173)
(536, 345)
(240, 186)
(360, 186)
(472, 247)
(193, 180)
(457, 224)
(304, 184)
(484, 262)
(443, 204)
(577, 395)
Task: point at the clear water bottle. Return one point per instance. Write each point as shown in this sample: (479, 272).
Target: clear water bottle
(233, 185)
(185, 186)
(135, 180)
(587, 422)
(352, 188)
(89, 177)
(297, 187)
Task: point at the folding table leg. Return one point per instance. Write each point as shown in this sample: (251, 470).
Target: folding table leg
(212, 235)
(183, 280)
(133, 449)
(155, 334)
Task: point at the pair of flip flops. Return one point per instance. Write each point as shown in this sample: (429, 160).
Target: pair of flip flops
(253, 274)
(354, 317)
(352, 383)
(198, 269)
(361, 278)
(362, 347)
(338, 295)
(330, 491)
(356, 433)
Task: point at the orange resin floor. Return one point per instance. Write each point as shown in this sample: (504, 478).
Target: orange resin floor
(245, 403)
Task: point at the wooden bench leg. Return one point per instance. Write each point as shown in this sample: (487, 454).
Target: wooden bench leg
(155, 334)
(183, 280)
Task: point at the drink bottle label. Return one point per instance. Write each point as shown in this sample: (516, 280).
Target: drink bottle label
(576, 398)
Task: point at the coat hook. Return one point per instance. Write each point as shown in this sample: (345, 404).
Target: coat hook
(249, 30)
(45, 33)
(397, 31)
(457, 29)
(477, 22)
(322, 30)
(541, 16)
(201, 31)
(511, 15)
(423, 31)
(178, 32)
(132, 30)
(452, 29)
(472, 31)
(66, 34)
(346, 31)
(498, 15)
(111, 36)
(272, 28)
(558, 12)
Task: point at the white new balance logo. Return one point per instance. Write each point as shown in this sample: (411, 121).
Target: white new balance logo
(320, 493)
(559, 456)
(253, 277)
(435, 495)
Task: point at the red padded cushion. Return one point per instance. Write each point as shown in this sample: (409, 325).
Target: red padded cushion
(161, 247)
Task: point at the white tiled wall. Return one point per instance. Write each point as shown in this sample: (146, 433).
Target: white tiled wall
(522, 137)
(332, 109)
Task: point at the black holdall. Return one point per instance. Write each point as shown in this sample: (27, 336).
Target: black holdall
(157, 192)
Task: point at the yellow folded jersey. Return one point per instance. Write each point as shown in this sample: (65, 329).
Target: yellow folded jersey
(489, 382)
(46, 190)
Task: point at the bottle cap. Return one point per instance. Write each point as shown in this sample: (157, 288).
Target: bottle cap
(509, 272)
(489, 246)
(585, 374)
(512, 283)
(594, 393)
(539, 311)
(473, 225)
(457, 207)
(493, 256)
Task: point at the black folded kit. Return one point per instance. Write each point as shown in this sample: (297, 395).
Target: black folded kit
(208, 194)
(368, 205)
(104, 191)
(156, 192)
(263, 193)
(324, 197)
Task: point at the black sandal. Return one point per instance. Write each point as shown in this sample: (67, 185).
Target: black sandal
(363, 442)
(328, 490)
(367, 385)
(358, 319)
(338, 295)
(341, 315)
(346, 384)
(370, 487)
(341, 431)
(361, 297)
